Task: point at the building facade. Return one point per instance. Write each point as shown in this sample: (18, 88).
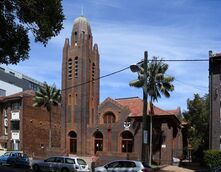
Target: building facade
(25, 128)
(12, 82)
(215, 100)
(80, 95)
(112, 129)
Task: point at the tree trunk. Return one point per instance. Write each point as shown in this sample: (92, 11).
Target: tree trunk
(151, 129)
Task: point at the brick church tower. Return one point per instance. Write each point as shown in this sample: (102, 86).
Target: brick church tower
(80, 89)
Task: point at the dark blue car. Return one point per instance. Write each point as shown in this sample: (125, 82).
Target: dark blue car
(15, 159)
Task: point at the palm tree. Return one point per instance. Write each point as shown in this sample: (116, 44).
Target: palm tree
(158, 83)
(47, 97)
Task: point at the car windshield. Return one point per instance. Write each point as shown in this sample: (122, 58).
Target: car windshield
(7, 153)
(81, 162)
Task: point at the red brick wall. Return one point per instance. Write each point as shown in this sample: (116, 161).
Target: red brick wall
(36, 128)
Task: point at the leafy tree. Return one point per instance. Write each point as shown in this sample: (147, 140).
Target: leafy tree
(44, 18)
(47, 97)
(197, 117)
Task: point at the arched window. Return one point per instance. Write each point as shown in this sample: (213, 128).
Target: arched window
(69, 99)
(73, 142)
(109, 118)
(75, 43)
(76, 67)
(69, 68)
(93, 71)
(98, 141)
(127, 141)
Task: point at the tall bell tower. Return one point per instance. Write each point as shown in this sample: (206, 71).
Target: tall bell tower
(80, 87)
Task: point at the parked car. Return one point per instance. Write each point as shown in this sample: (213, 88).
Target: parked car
(15, 159)
(217, 169)
(124, 166)
(61, 164)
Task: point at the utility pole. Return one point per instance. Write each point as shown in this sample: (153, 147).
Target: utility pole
(145, 98)
(142, 76)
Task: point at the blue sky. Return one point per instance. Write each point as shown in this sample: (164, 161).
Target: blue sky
(123, 30)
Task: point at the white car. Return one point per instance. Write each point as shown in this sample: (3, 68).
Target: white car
(81, 165)
(61, 164)
(124, 166)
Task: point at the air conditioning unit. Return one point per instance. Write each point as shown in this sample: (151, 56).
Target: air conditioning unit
(5, 122)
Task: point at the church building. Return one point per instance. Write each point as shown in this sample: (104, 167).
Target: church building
(112, 129)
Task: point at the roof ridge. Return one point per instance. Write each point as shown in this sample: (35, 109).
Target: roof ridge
(124, 98)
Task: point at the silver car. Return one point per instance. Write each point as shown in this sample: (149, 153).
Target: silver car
(124, 166)
(61, 164)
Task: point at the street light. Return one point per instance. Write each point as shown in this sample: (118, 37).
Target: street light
(142, 75)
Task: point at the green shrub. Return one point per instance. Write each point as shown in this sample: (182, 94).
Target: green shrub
(212, 158)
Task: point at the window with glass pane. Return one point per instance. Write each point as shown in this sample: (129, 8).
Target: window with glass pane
(69, 161)
(52, 159)
(127, 141)
(16, 105)
(59, 160)
(109, 118)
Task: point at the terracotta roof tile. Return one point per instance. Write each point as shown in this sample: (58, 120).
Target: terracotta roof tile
(20, 94)
(135, 104)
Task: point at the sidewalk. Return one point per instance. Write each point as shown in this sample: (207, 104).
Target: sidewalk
(171, 168)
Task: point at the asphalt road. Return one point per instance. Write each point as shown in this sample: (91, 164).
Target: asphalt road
(10, 169)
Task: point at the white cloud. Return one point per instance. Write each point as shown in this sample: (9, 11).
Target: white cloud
(123, 44)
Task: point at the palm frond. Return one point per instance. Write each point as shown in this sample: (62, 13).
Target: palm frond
(47, 96)
(158, 83)
(136, 83)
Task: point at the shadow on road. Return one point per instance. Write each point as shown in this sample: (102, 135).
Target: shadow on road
(11, 169)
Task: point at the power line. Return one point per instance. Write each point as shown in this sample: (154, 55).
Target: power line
(178, 60)
(104, 76)
(193, 86)
(121, 70)
(184, 60)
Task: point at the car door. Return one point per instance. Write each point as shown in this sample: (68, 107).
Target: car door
(18, 159)
(12, 158)
(129, 166)
(70, 164)
(114, 167)
(49, 164)
(59, 163)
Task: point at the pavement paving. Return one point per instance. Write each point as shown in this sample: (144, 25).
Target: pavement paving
(171, 168)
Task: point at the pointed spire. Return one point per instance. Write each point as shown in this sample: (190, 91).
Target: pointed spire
(66, 43)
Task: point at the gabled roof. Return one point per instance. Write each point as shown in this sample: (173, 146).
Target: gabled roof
(112, 101)
(135, 104)
(18, 95)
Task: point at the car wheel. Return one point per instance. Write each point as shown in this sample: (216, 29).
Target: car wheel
(64, 170)
(13, 164)
(36, 168)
